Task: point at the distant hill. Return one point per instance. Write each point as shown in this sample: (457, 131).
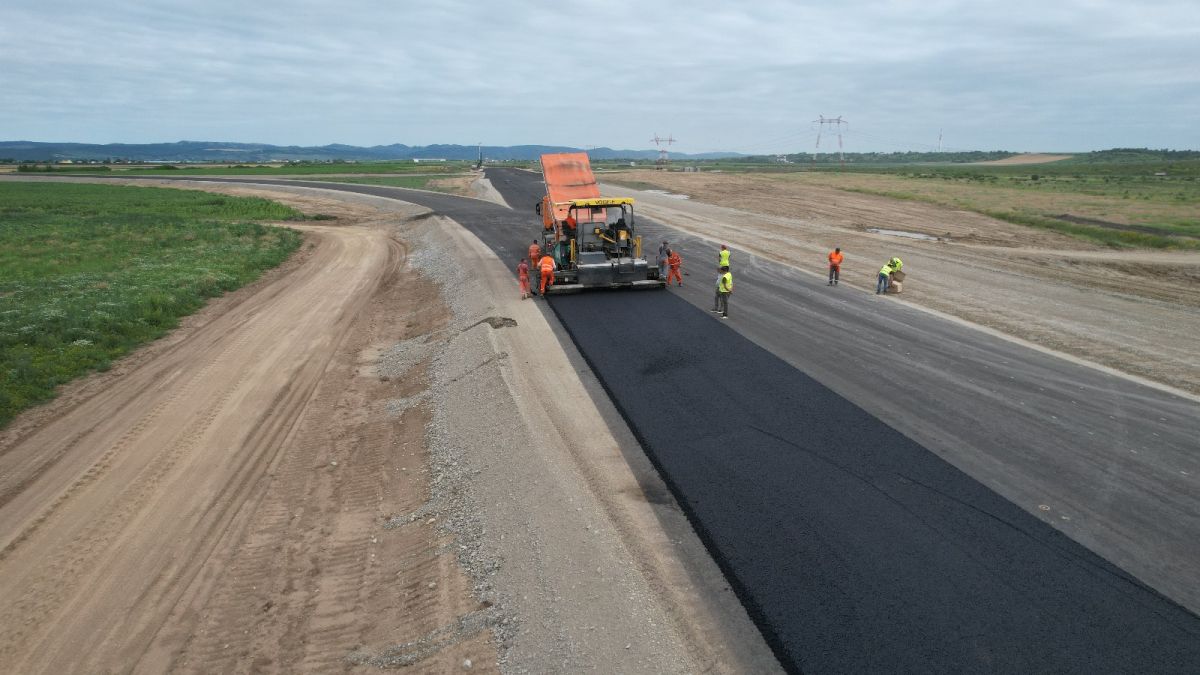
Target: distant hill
(215, 151)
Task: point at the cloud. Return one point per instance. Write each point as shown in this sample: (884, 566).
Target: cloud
(1065, 75)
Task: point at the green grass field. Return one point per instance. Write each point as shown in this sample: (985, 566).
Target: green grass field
(89, 272)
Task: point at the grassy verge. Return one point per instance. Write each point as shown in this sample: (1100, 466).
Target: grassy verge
(89, 272)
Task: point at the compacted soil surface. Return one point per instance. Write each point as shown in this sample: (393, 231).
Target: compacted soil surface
(363, 460)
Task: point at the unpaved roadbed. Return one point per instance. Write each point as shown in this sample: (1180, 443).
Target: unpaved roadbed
(355, 463)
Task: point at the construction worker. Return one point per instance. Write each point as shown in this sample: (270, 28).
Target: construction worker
(885, 277)
(835, 266)
(724, 290)
(547, 267)
(896, 264)
(523, 277)
(535, 254)
(723, 257)
(674, 261)
(663, 252)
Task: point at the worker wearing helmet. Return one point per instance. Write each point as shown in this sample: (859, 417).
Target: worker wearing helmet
(896, 264)
(547, 267)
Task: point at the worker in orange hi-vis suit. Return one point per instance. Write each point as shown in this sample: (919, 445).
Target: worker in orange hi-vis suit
(835, 265)
(523, 277)
(673, 262)
(535, 254)
(547, 267)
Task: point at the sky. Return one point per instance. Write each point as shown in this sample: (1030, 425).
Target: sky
(1018, 75)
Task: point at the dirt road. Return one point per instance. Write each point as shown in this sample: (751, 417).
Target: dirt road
(234, 468)
(350, 465)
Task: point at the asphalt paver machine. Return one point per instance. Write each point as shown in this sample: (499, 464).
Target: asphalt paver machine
(593, 239)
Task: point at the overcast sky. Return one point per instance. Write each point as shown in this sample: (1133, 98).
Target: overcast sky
(1045, 75)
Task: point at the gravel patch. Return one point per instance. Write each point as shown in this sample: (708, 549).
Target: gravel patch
(397, 406)
(401, 357)
(461, 356)
(560, 588)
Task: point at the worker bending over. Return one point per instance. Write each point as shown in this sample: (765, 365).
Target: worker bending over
(885, 277)
(723, 257)
(547, 267)
(674, 261)
(724, 290)
(835, 266)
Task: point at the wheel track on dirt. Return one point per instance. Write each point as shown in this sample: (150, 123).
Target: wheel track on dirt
(263, 564)
(58, 578)
(254, 559)
(104, 463)
(129, 502)
(116, 402)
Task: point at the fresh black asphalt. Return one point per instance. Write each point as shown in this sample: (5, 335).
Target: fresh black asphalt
(853, 547)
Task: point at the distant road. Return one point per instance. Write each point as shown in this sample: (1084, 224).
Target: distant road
(844, 457)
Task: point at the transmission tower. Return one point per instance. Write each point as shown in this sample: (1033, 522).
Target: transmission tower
(836, 126)
(664, 157)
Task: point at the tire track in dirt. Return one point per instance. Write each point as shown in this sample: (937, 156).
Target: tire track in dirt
(105, 461)
(315, 557)
(28, 449)
(164, 523)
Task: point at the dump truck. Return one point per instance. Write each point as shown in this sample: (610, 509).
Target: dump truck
(593, 239)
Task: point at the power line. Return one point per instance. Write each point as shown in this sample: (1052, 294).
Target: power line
(664, 157)
(836, 123)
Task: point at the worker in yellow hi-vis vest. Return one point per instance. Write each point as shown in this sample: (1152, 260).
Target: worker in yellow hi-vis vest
(885, 278)
(724, 290)
(723, 257)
